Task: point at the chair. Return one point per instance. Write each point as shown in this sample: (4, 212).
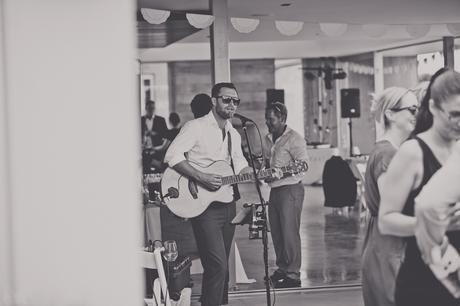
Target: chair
(153, 261)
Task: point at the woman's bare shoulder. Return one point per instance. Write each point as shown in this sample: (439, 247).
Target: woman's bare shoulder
(410, 150)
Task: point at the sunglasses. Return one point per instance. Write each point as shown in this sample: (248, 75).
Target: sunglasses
(227, 100)
(277, 108)
(412, 109)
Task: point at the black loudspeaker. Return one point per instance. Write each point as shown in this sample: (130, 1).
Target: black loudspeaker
(275, 95)
(349, 101)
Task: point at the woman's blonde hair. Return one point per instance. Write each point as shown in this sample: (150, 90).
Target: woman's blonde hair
(420, 90)
(387, 99)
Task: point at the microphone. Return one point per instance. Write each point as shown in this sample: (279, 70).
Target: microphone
(243, 118)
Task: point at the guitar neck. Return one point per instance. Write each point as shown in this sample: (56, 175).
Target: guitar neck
(248, 177)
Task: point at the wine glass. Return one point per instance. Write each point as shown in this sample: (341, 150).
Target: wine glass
(170, 253)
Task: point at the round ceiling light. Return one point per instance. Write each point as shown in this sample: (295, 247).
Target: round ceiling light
(417, 30)
(200, 21)
(333, 29)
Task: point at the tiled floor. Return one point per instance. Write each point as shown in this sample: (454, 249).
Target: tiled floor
(331, 245)
(328, 297)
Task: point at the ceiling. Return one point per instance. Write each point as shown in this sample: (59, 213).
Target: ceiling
(394, 13)
(346, 11)
(161, 35)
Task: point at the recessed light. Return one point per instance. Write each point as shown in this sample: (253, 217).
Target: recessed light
(285, 4)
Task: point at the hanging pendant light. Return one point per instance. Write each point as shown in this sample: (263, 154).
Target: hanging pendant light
(454, 28)
(153, 16)
(244, 25)
(333, 29)
(200, 21)
(417, 30)
(289, 28)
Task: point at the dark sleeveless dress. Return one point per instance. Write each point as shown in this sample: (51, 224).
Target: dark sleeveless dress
(416, 285)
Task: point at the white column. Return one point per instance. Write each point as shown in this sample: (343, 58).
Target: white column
(343, 132)
(71, 144)
(6, 242)
(160, 94)
(378, 85)
(220, 69)
(289, 77)
(219, 42)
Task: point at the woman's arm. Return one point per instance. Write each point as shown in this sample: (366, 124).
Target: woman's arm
(395, 185)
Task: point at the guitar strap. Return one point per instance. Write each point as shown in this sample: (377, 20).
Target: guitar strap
(236, 191)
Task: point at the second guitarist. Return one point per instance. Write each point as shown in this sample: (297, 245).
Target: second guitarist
(206, 140)
(282, 145)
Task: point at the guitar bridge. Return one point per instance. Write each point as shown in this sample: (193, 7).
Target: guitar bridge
(192, 187)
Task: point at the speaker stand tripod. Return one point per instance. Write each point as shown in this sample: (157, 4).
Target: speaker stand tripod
(350, 131)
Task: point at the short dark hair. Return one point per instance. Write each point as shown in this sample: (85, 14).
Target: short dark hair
(278, 108)
(216, 88)
(201, 105)
(174, 118)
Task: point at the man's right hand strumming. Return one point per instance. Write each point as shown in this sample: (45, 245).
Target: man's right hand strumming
(210, 181)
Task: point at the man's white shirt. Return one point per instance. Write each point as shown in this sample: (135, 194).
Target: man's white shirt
(203, 141)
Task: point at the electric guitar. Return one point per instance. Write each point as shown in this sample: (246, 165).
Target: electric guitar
(187, 199)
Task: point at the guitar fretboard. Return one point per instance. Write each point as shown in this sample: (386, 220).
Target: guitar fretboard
(247, 177)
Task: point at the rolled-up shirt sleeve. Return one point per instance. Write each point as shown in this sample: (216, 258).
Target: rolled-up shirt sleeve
(298, 149)
(434, 203)
(184, 142)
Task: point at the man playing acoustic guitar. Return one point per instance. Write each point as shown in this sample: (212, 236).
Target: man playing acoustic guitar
(207, 140)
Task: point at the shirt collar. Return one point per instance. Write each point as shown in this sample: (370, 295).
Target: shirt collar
(286, 130)
(212, 120)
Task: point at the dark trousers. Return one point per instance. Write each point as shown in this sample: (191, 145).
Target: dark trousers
(214, 235)
(284, 212)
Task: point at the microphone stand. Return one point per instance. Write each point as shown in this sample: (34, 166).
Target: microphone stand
(263, 214)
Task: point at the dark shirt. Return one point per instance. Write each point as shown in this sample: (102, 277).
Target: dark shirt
(378, 162)
(158, 127)
(172, 133)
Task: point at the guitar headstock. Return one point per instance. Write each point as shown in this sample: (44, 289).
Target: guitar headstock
(297, 167)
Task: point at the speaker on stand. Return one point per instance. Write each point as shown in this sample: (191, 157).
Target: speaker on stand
(349, 102)
(275, 95)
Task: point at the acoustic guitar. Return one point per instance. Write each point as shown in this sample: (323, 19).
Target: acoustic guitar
(186, 198)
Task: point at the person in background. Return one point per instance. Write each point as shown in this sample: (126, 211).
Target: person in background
(201, 105)
(154, 141)
(436, 132)
(282, 146)
(394, 109)
(174, 120)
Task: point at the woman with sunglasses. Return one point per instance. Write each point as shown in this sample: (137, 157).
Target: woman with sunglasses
(394, 110)
(437, 129)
